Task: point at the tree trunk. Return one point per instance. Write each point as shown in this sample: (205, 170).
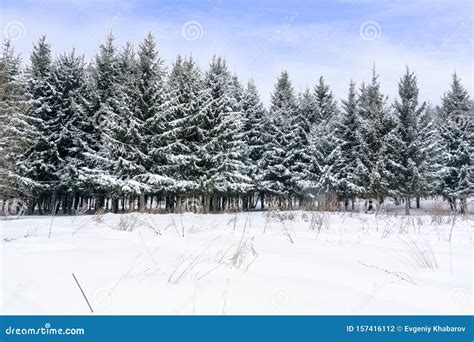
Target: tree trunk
(142, 203)
(99, 203)
(203, 203)
(452, 204)
(65, 203)
(407, 205)
(417, 202)
(370, 206)
(40, 205)
(56, 203)
(463, 205)
(245, 203)
(211, 199)
(70, 203)
(76, 201)
(31, 207)
(115, 205)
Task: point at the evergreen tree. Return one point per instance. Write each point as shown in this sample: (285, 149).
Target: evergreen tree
(324, 144)
(255, 118)
(237, 93)
(40, 160)
(151, 96)
(103, 109)
(347, 168)
(456, 130)
(283, 106)
(181, 133)
(307, 106)
(431, 165)
(68, 80)
(407, 169)
(121, 138)
(16, 134)
(375, 124)
(298, 156)
(326, 106)
(222, 152)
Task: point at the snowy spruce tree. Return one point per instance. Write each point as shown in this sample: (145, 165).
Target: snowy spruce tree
(455, 126)
(181, 134)
(326, 106)
(222, 155)
(104, 104)
(150, 99)
(120, 136)
(298, 156)
(407, 168)
(324, 143)
(307, 106)
(237, 93)
(432, 147)
(375, 124)
(255, 119)
(16, 134)
(277, 175)
(348, 164)
(68, 80)
(40, 159)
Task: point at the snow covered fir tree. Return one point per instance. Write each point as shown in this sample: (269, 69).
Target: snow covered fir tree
(125, 133)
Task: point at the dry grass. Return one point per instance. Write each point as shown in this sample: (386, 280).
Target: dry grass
(280, 216)
(127, 223)
(98, 216)
(150, 224)
(13, 208)
(421, 255)
(245, 254)
(319, 220)
(437, 213)
(186, 263)
(387, 231)
(329, 203)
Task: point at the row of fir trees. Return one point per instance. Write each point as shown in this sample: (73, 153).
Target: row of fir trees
(125, 133)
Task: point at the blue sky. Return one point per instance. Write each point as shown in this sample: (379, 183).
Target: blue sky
(261, 38)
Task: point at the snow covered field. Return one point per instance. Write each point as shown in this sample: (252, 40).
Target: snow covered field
(247, 263)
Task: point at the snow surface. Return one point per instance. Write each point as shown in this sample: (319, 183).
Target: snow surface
(246, 263)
